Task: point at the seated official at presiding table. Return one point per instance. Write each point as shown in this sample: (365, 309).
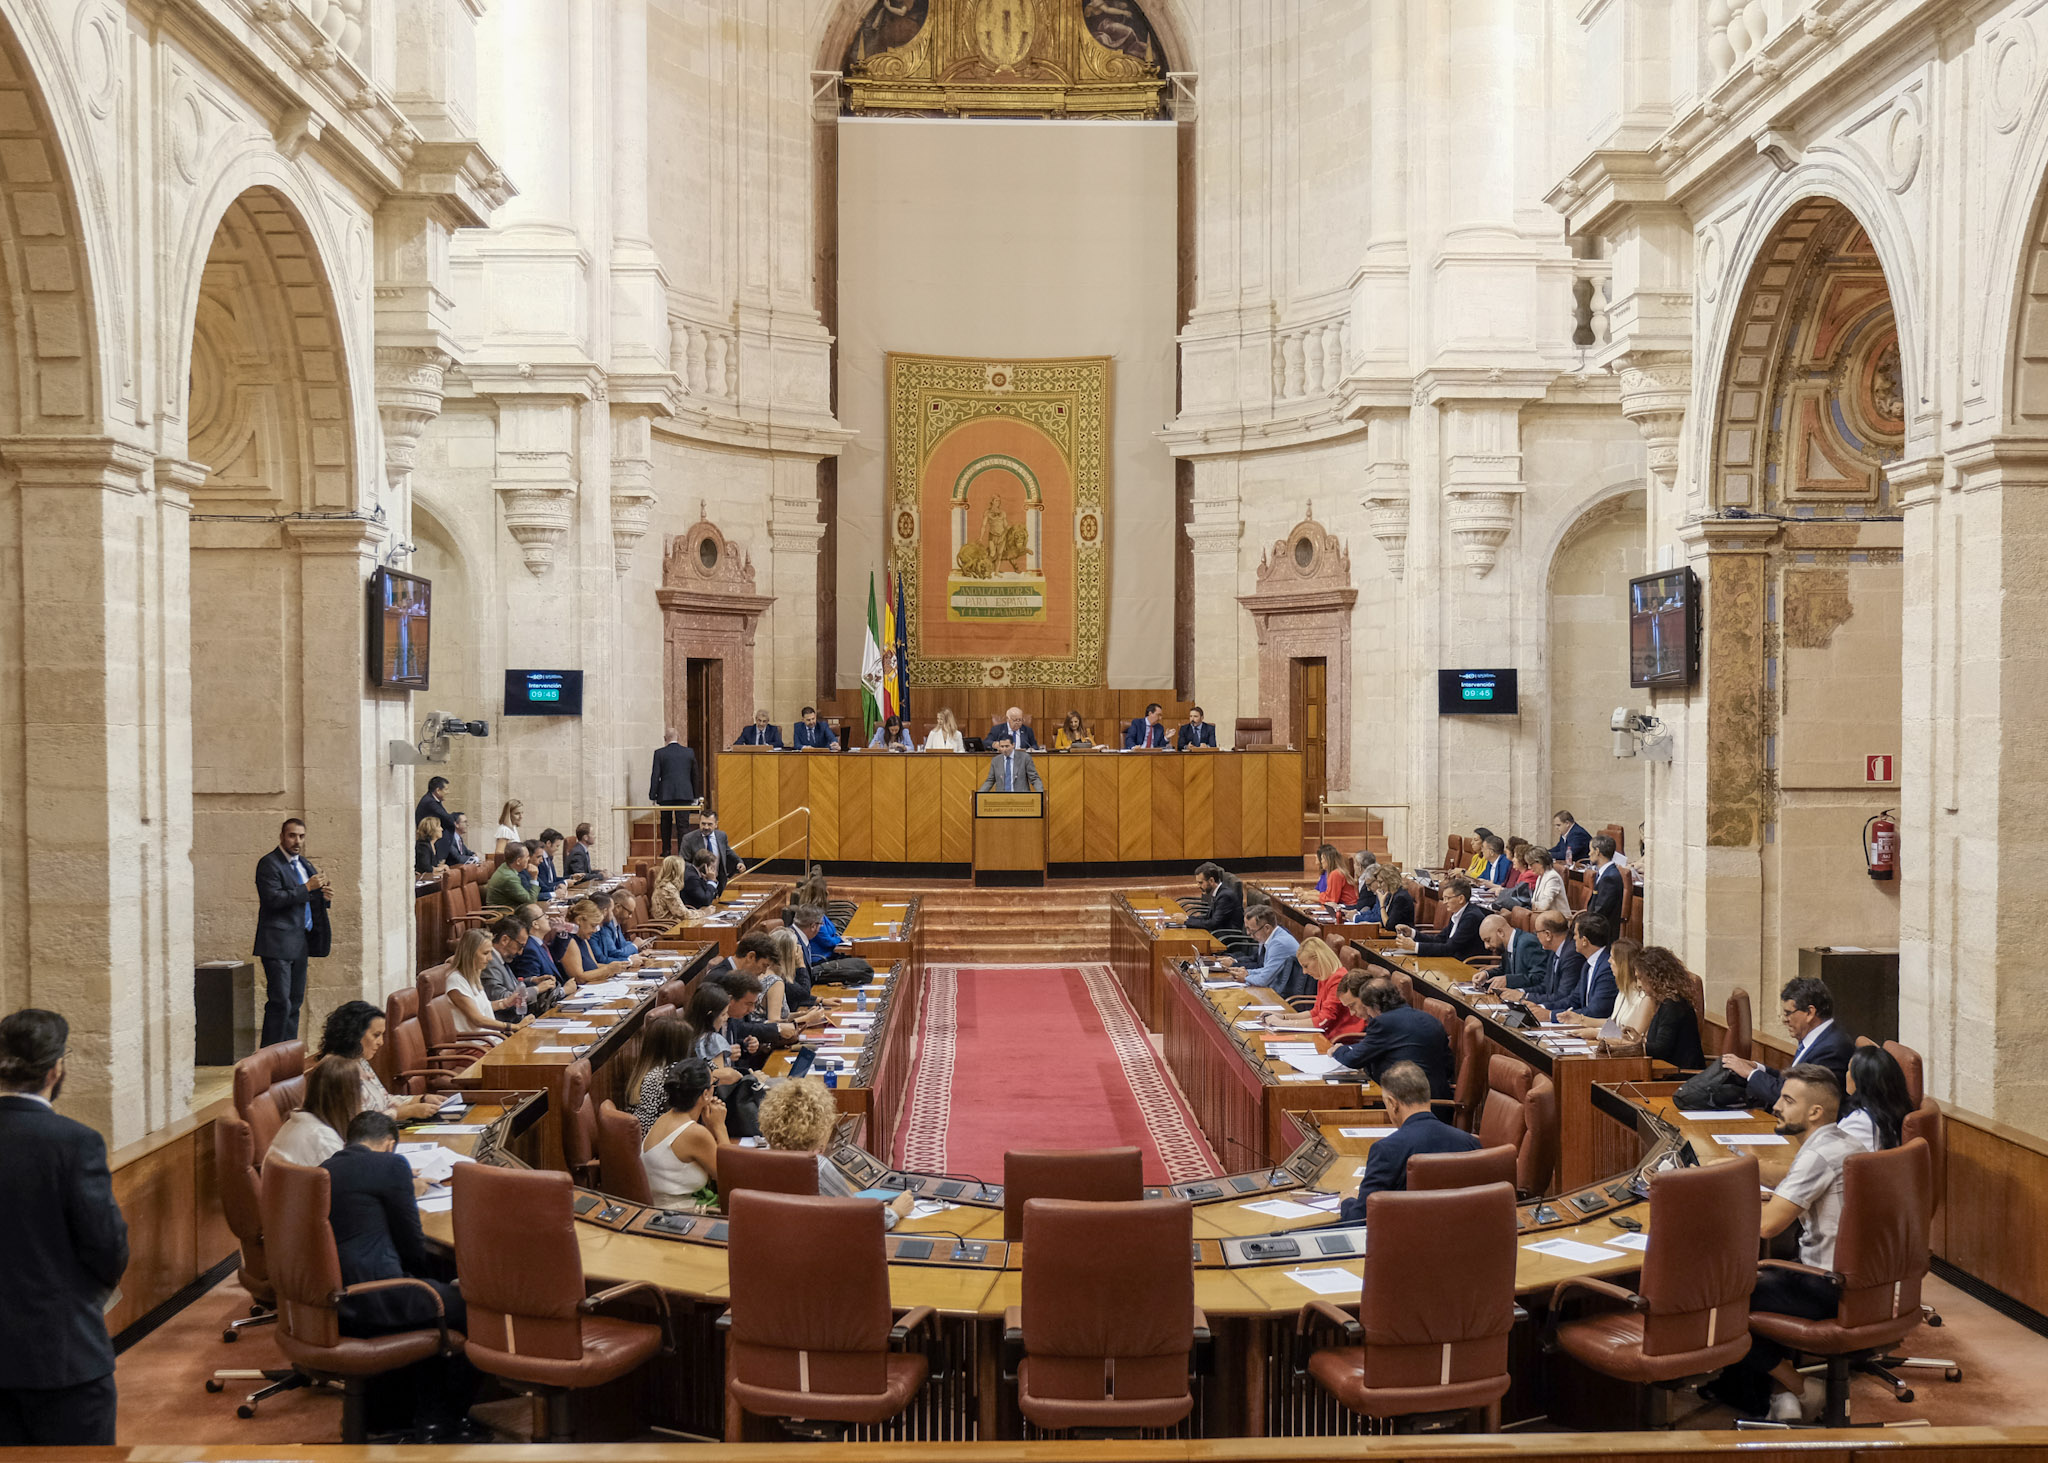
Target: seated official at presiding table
(892, 735)
(945, 735)
(1417, 1129)
(762, 733)
(1016, 728)
(1195, 732)
(1145, 731)
(810, 734)
(1072, 734)
(1394, 1032)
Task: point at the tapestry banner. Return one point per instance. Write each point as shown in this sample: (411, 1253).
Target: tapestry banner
(998, 488)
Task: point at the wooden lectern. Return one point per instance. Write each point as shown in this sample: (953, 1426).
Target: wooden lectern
(1009, 838)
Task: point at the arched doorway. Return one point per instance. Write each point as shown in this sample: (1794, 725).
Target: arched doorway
(1804, 603)
(1600, 552)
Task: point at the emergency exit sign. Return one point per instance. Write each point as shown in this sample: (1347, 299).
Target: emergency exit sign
(1877, 768)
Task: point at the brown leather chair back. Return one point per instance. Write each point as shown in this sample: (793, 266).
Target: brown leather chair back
(1437, 1337)
(1735, 1042)
(834, 1337)
(432, 982)
(1447, 1017)
(579, 1121)
(1619, 835)
(1520, 918)
(516, 1255)
(270, 1085)
(405, 1050)
(400, 1006)
(1521, 1109)
(304, 1266)
(1701, 1264)
(1696, 992)
(241, 1200)
(1405, 984)
(1108, 1313)
(1468, 1095)
(766, 1170)
(674, 993)
(1474, 1170)
(1914, 1069)
(1100, 1175)
(623, 1173)
(1254, 731)
(1881, 1247)
(1927, 1124)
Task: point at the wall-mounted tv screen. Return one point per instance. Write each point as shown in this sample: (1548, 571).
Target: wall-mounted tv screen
(1664, 629)
(401, 623)
(1477, 693)
(543, 693)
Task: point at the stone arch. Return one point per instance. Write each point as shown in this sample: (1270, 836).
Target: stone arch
(836, 24)
(50, 347)
(2014, 325)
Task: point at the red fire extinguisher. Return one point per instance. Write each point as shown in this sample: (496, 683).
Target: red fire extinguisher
(1881, 845)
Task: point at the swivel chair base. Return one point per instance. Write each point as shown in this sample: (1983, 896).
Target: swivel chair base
(284, 1380)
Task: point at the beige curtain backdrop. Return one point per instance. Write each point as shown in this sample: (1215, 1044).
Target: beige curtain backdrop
(1027, 239)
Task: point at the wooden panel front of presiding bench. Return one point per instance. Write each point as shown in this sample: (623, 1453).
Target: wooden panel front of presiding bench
(916, 808)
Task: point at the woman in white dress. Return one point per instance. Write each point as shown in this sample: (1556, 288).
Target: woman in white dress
(945, 734)
(680, 1152)
(466, 998)
(508, 823)
(314, 1134)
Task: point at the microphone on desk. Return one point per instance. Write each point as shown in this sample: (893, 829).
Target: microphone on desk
(982, 1185)
(960, 1242)
(1278, 1175)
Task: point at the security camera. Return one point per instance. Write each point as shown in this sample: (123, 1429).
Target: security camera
(1622, 720)
(435, 732)
(1639, 734)
(446, 724)
(1624, 744)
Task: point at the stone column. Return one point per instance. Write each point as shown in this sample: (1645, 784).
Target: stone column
(105, 928)
(639, 289)
(632, 487)
(794, 533)
(1226, 659)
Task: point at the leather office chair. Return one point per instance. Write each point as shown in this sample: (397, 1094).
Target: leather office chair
(1927, 1124)
(841, 913)
(1447, 1017)
(579, 1123)
(437, 1025)
(530, 1324)
(1880, 1259)
(1405, 984)
(270, 1085)
(1468, 1092)
(673, 994)
(820, 1360)
(1735, 1041)
(1101, 1175)
(1427, 1339)
(622, 1172)
(1914, 1070)
(307, 1273)
(1253, 731)
(1474, 1170)
(1689, 1315)
(241, 1202)
(1521, 1110)
(1109, 1325)
(413, 1071)
(765, 1170)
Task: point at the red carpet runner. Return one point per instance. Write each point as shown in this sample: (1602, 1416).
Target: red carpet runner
(1040, 1057)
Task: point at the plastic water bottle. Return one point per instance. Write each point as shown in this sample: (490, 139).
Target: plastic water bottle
(860, 999)
(831, 1077)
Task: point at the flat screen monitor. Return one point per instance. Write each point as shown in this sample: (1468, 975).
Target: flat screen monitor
(401, 623)
(1664, 628)
(543, 693)
(1477, 693)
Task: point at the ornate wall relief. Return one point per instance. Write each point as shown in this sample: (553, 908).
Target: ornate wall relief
(1302, 610)
(709, 612)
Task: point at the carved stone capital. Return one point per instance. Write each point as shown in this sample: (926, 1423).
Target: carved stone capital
(1480, 522)
(409, 391)
(632, 508)
(1656, 388)
(538, 517)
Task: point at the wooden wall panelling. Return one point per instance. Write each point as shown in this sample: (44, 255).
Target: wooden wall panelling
(962, 775)
(735, 804)
(1066, 801)
(1226, 775)
(1996, 1206)
(1100, 837)
(1168, 781)
(1283, 804)
(1198, 803)
(1134, 807)
(159, 1186)
(1251, 806)
(924, 781)
(820, 775)
(889, 808)
(792, 791)
(856, 823)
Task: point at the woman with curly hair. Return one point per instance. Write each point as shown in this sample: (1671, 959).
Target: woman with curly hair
(798, 1117)
(1673, 1034)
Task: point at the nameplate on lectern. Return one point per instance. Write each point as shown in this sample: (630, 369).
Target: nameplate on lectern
(1009, 805)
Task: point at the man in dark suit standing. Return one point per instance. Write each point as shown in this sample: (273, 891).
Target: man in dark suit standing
(763, 733)
(1146, 731)
(1196, 733)
(1809, 1011)
(291, 926)
(1605, 900)
(1010, 770)
(671, 783)
(67, 1246)
(706, 836)
(811, 734)
(1417, 1129)
(1394, 1032)
(431, 806)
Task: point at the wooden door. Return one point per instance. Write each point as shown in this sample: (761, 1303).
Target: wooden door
(705, 733)
(1308, 726)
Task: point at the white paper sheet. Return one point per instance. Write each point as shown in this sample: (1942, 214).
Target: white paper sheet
(1749, 1140)
(1316, 1064)
(545, 1049)
(1366, 1132)
(437, 1203)
(1628, 1241)
(1281, 1209)
(453, 1128)
(1566, 1249)
(1720, 1115)
(1326, 1282)
(1296, 1077)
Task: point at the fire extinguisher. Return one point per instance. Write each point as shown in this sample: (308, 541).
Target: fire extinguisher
(1881, 845)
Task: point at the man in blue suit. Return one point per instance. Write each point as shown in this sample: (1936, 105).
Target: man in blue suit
(1572, 840)
(1016, 728)
(1196, 733)
(1809, 1011)
(811, 734)
(1522, 956)
(1554, 981)
(1146, 730)
(1605, 900)
(1394, 1032)
(763, 733)
(1416, 1130)
(1596, 992)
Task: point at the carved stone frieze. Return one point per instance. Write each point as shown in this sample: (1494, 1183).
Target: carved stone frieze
(538, 518)
(1480, 521)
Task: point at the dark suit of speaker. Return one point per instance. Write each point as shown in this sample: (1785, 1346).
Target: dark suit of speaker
(804, 738)
(66, 1248)
(1195, 736)
(1143, 733)
(291, 927)
(671, 783)
(1605, 900)
(1386, 1167)
(728, 861)
(1403, 1034)
(760, 736)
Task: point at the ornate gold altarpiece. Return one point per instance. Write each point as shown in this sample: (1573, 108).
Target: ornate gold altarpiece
(1005, 58)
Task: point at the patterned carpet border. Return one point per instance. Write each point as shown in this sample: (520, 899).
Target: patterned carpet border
(928, 1114)
(1182, 1149)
